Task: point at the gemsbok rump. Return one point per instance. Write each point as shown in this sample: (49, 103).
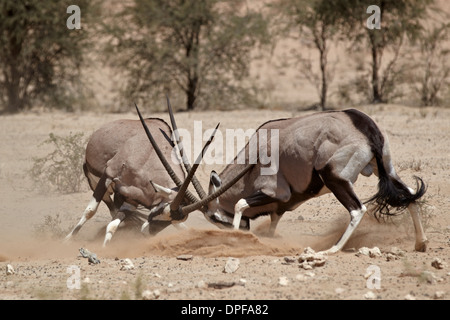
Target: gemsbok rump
(119, 161)
(318, 153)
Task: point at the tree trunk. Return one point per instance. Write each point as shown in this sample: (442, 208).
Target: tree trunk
(14, 103)
(191, 93)
(323, 69)
(192, 55)
(376, 94)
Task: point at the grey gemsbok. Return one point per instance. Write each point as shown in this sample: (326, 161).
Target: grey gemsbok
(119, 161)
(318, 153)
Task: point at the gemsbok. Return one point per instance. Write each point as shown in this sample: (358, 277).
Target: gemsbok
(318, 153)
(119, 161)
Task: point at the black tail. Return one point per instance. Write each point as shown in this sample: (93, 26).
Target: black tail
(393, 193)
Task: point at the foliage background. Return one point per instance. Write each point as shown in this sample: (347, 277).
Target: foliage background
(222, 54)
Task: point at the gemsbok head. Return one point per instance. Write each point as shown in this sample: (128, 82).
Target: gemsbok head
(318, 153)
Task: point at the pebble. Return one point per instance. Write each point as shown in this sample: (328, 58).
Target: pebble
(305, 276)
(185, 257)
(439, 294)
(10, 270)
(438, 263)
(224, 284)
(201, 284)
(289, 260)
(371, 252)
(370, 295)
(126, 264)
(310, 259)
(151, 294)
(394, 254)
(283, 281)
(430, 277)
(339, 290)
(231, 265)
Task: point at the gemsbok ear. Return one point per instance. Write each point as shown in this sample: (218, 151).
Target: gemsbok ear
(215, 181)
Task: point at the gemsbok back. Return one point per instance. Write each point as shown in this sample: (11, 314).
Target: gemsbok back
(318, 153)
(119, 161)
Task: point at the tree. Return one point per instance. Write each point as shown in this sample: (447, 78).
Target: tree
(433, 69)
(197, 47)
(316, 21)
(400, 20)
(38, 53)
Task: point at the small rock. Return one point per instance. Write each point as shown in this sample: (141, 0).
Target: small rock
(370, 295)
(439, 294)
(438, 263)
(410, 297)
(283, 281)
(305, 276)
(224, 284)
(10, 270)
(86, 280)
(339, 290)
(390, 257)
(185, 257)
(126, 264)
(429, 277)
(309, 259)
(201, 284)
(231, 265)
(290, 259)
(394, 254)
(301, 277)
(306, 265)
(397, 251)
(150, 294)
(371, 252)
(92, 257)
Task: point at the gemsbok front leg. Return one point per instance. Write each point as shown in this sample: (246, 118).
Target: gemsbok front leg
(257, 203)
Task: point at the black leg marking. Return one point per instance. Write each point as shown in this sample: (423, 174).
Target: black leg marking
(341, 188)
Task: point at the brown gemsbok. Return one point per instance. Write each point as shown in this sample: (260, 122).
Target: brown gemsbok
(318, 153)
(119, 161)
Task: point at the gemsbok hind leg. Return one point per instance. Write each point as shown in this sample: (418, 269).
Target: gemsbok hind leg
(421, 239)
(343, 191)
(92, 207)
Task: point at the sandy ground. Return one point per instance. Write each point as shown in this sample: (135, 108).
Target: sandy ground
(268, 268)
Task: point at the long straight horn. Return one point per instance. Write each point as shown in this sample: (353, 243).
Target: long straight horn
(198, 187)
(175, 205)
(161, 157)
(195, 206)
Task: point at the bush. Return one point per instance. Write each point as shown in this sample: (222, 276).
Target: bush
(50, 228)
(62, 168)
